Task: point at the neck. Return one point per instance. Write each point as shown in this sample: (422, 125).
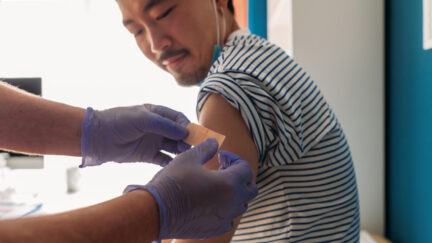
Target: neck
(232, 26)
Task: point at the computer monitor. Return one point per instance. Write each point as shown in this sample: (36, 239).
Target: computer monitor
(31, 85)
(16, 160)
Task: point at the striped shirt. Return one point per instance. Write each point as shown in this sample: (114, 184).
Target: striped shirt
(306, 178)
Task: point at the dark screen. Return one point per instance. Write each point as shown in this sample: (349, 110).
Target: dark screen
(31, 85)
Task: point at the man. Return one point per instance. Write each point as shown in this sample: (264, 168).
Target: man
(173, 204)
(271, 112)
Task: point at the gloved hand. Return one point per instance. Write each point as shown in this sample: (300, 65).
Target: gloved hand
(132, 134)
(195, 203)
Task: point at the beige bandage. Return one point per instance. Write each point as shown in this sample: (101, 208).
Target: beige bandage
(198, 134)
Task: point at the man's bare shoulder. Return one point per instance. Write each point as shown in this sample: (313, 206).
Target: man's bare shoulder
(220, 116)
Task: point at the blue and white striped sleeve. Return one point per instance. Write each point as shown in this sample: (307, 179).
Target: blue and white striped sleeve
(240, 99)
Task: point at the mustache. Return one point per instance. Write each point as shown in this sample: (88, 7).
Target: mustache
(171, 53)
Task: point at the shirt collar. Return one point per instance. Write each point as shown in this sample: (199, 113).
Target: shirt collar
(238, 33)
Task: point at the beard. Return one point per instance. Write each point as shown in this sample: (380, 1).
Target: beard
(185, 79)
(193, 78)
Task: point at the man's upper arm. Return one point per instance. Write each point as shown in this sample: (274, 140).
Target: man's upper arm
(220, 116)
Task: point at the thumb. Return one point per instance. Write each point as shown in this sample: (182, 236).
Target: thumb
(168, 113)
(203, 152)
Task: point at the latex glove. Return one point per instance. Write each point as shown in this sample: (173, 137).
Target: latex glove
(132, 134)
(195, 203)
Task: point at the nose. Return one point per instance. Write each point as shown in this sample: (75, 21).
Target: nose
(159, 41)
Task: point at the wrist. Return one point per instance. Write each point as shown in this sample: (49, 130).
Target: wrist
(86, 135)
(170, 203)
(152, 192)
(149, 208)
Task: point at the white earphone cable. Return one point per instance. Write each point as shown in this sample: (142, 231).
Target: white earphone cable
(224, 25)
(217, 22)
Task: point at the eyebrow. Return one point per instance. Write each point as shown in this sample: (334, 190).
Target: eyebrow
(152, 3)
(148, 6)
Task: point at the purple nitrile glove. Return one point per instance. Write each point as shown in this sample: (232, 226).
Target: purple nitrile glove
(195, 203)
(132, 134)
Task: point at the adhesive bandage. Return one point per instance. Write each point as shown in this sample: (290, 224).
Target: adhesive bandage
(199, 134)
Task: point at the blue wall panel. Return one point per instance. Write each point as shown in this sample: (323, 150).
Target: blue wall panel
(409, 124)
(257, 17)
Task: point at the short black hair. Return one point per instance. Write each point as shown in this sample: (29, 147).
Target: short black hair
(231, 6)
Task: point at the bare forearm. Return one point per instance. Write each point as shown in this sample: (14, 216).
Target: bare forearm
(130, 218)
(34, 125)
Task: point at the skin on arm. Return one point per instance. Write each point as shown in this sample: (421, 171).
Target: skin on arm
(220, 116)
(31, 124)
(132, 217)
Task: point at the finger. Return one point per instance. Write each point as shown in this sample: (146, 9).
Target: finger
(251, 192)
(203, 152)
(182, 119)
(245, 195)
(164, 127)
(168, 113)
(243, 209)
(170, 145)
(182, 146)
(161, 159)
(224, 161)
(227, 227)
(239, 169)
(173, 146)
(227, 158)
(239, 209)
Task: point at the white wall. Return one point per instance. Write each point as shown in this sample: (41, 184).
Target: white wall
(341, 44)
(280, 24)
(83, 54)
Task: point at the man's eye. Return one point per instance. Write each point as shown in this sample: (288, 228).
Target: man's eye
(165, 14)
(138, 33)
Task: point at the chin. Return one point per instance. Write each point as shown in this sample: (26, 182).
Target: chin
(185, 84)
(191, 79)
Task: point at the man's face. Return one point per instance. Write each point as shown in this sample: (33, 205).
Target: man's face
(177, 35)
